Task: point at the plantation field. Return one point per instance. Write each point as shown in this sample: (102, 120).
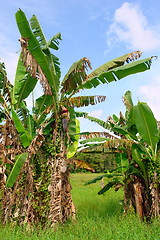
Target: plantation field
(98, 217)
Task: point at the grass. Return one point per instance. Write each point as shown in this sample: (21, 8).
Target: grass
(98, 217)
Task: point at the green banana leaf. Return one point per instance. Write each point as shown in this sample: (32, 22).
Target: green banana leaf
(53, 43)
(108, 175)
(72, 124)
(42, 103)
(146, 124)
(128, 99)
(94, 180)
(108, 186)
(30, 124)
(117, 73)
(98, 121)
(137, 157)
(24, 135)
(122, 161)
(128, 103)
(23, 85)
(36, 51)
(117, 62)
(20, 160)
(72, 149)
(124, 132)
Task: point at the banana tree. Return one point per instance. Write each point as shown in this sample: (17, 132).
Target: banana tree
(141, 181)
(54, 114)
(143, 129)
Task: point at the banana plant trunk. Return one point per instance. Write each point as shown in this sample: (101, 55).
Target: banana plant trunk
(138, 199)
(61, 204)
(155, 193)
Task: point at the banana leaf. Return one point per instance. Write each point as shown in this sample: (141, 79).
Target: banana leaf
(36, 51)
(117, 73)
(23, 85)
(24, 135)
(108, 186)
(146, 124)
(19, 162)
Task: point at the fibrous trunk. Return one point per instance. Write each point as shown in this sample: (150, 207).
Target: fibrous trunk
(155, 193)
(61, 204)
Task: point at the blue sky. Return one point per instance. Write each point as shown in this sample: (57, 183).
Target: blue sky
(100, 30)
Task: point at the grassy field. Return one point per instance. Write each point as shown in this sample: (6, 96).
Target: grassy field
(98, 217)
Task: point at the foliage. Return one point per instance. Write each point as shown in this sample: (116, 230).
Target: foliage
(50, 129)
(138, 161)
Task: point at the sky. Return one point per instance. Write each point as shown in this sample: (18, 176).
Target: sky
(100, 30)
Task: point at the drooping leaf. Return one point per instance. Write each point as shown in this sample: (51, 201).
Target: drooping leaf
(117, 73)
(108, 186)
(75, 76)
(94, 180)
(81, 101)
(19, 162)
(98, 121)
(117, 62)
(81, 114)
(81, 164)
(146, 124)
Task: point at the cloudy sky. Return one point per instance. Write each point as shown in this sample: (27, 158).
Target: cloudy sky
(97, 29)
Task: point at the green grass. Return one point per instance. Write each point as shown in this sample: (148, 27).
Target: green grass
(98, 217)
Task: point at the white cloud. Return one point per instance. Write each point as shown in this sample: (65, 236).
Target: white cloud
(131, 26)
(151, 94)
